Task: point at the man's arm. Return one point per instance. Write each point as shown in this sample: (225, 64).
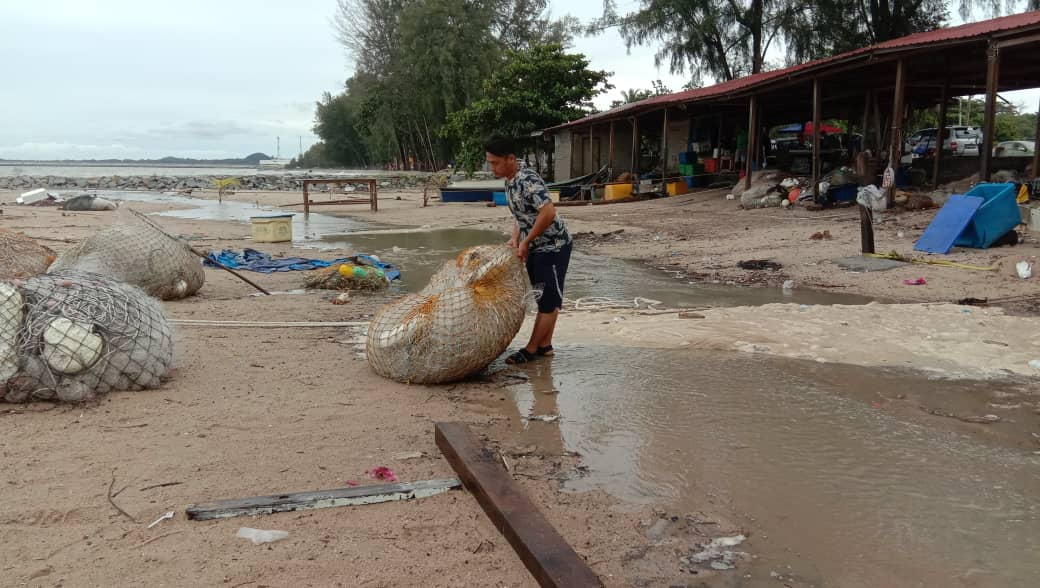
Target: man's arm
(514, 241)
(546, 215)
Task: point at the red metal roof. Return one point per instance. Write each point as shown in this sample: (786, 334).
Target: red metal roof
(962, 32)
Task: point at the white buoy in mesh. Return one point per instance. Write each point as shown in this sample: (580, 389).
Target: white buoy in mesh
(10, 322)
(69, 347)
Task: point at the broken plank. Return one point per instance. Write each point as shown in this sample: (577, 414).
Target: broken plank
(237, 507)
(547, 556)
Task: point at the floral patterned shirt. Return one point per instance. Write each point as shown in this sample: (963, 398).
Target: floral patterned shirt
(527, 194)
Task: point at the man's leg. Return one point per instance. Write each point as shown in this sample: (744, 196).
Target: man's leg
(542, 333)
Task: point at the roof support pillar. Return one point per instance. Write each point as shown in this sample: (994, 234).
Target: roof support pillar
(1036, 154)
(817, 104)
(989, 123)
(592, 151)
(752, 141)
(635, 148)
(895, 145)
(610, 152)
(664, 149)
(940, 134)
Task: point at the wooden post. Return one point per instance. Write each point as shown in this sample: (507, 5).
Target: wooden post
(816, 116)
(989, 124)
(866, 121)
(306, 198)
(1036, 154)
(549, 558)
(664, 149)
(866, 229)
(635, 148)
(373, 192)
(610, 153)
(940, 134)
(895, 144)
(752, 137)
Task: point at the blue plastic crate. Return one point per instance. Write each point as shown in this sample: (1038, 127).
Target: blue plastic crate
(500, 199)
(998, 214)
(846, 193)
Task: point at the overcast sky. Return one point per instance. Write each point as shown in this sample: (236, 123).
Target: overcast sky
(198, 78)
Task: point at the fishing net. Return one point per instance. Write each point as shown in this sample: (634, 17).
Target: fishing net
(21, 256)
(464, 319)
(73, 336)
(346, 276)
(140, 255)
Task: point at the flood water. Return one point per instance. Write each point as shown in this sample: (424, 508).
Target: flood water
(834, 489)
(420, 252)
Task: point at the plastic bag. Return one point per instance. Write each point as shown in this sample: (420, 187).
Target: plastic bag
(873, 198)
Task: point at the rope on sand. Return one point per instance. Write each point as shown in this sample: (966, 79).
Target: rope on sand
(593, 303)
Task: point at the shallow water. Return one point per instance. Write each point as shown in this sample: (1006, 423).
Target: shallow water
(800, 455)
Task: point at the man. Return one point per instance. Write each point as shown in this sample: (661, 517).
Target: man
(541, 241)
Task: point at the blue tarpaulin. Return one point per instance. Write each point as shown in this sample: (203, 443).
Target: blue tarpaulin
(258, 261)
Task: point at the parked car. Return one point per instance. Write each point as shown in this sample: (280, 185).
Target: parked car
(959, 140)
(1015, 149)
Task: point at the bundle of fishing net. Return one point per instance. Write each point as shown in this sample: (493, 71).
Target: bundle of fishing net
(464, 319)
(347, 276)
(141, 255)
(21, 256)
(73, 336)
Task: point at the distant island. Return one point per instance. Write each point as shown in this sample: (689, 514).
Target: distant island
(248, 161)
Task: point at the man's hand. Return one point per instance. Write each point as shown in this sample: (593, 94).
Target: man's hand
(522, 250)
(512, 242)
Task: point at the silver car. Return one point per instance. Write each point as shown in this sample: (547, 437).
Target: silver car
(1015, 149)
(959, 140)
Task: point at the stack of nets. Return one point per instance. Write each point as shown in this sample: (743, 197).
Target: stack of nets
(455, 327)
(73, 336)
(22, 257)
(347, 276)
(140, 255)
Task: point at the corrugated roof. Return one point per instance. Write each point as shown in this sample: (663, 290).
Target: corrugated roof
(963, 32)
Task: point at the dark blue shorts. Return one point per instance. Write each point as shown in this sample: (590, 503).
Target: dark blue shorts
(547, 271)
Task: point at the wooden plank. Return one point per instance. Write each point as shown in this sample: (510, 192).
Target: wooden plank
(940, 134)
(895, 145)
(816, 122)
(257, 505)
(547, 556)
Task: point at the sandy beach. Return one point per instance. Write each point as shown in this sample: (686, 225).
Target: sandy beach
(253, 411)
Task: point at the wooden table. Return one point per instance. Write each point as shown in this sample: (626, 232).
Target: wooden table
(372, 199)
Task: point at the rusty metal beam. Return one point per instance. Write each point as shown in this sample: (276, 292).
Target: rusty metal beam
(989, 123)
(895, 145)
(816, 166)
(752, 137)
(549, 558)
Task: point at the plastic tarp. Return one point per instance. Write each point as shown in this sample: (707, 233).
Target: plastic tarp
(258, 261)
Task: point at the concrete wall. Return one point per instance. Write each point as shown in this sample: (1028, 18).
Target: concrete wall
(678, 135)
(562, 157)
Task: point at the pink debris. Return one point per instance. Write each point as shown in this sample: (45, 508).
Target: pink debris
(917, 282)
(351, 483)
(382, 473)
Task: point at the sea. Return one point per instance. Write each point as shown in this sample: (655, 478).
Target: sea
(93, 171)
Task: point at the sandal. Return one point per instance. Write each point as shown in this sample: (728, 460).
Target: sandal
(546, 351)
(520, 356)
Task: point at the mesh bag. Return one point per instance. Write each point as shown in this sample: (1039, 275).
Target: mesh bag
(22, 257)
(464, 319)
(73, 336)
(140, 255)
(346, 276)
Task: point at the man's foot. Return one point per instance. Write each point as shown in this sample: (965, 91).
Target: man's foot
(520, 356)
(546, 351)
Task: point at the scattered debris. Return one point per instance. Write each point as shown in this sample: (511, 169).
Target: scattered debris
(342, 299)
(714, 554)
(690, 315)
(984, 419)
(408, 455)
(788, 285)
(88, 202)
(1024, 269)
(545, 418)
(168, 515)
(915, 282)
(382, 473)
(1035, 364)
(973, 301)
(260, 536)
(819, 236)
(759, 264)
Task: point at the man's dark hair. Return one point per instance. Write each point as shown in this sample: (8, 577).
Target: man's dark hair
(500, 146)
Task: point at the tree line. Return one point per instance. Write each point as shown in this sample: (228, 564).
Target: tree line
(432, 77)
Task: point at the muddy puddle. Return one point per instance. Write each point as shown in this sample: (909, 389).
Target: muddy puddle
(420, 252)
(838, 474)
